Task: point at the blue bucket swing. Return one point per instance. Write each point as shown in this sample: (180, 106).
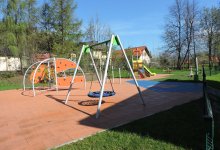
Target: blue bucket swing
(96, 94)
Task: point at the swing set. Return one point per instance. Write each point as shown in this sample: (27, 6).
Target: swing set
(114, 41)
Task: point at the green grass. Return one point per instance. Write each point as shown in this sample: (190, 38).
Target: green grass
(214, 81)
(183, 76)
(14, 82)
(124, 73)
(158, 71)
(181, 127)
(180, 76)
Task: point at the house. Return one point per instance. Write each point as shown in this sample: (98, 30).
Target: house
(140, 53)
(41, 56)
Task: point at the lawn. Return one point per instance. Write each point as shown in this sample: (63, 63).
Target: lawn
(180, 76)
(183, 76)
(14, 81)
(181, 127)
(11, 82)
(214, 81)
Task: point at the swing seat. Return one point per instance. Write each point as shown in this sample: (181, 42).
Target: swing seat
(105, 94)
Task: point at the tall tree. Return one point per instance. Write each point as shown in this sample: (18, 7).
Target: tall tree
(46, 27)
(31, 14)
(190, 18)
(46, 17)
(66, 25)
(173, 36)
(96, 31)
(31, 31)
(209, 30)
(14, 26)
(217, 38)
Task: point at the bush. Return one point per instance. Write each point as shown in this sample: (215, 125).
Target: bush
(7, 74)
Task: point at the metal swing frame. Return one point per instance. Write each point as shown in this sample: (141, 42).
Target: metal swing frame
(114, 41)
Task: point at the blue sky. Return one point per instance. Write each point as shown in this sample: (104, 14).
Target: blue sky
(137, 22)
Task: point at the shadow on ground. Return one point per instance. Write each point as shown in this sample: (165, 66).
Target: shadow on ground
(181, 125)
(214, 84)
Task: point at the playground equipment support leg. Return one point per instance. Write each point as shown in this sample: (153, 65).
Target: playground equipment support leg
(104, 78)
(119, 71)
(113, 74)
(55, 72)
(96, 70)
(137, 85)
(74, 76)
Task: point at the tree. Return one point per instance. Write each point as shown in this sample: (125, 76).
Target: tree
(14, 28)
(31, 31)
(66, 26)
(164, 59)
(96, 31)
(46, 27)
(173, 36)
(209, 30)
(190, 14)
(217, 38)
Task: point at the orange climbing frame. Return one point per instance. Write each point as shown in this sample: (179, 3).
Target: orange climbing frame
(61, 66)
(64, 64)
(39, 76)
(65, 81)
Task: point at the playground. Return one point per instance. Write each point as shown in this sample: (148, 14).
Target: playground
(59, 105)
(43, 121)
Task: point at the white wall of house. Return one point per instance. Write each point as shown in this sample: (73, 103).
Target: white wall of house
(99, 55)
(145, 57)
(10, 64)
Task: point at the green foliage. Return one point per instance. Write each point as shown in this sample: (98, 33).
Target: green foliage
(10, 38)
(67, 28)
(10, 80)
(7, 74)
(26, 29)
(14, 50)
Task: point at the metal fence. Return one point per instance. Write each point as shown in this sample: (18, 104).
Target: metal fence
(208, 117)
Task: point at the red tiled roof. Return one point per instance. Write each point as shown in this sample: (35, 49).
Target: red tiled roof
(43, 56)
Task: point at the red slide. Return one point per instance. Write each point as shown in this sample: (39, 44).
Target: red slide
(141, 73)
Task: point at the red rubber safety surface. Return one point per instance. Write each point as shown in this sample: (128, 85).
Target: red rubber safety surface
(44, 121)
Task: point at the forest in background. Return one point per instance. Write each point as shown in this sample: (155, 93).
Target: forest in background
(53, 27)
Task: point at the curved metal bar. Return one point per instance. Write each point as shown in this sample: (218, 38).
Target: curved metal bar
(55, 72)
(27, 72)
(48, 69)
(35, 71)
